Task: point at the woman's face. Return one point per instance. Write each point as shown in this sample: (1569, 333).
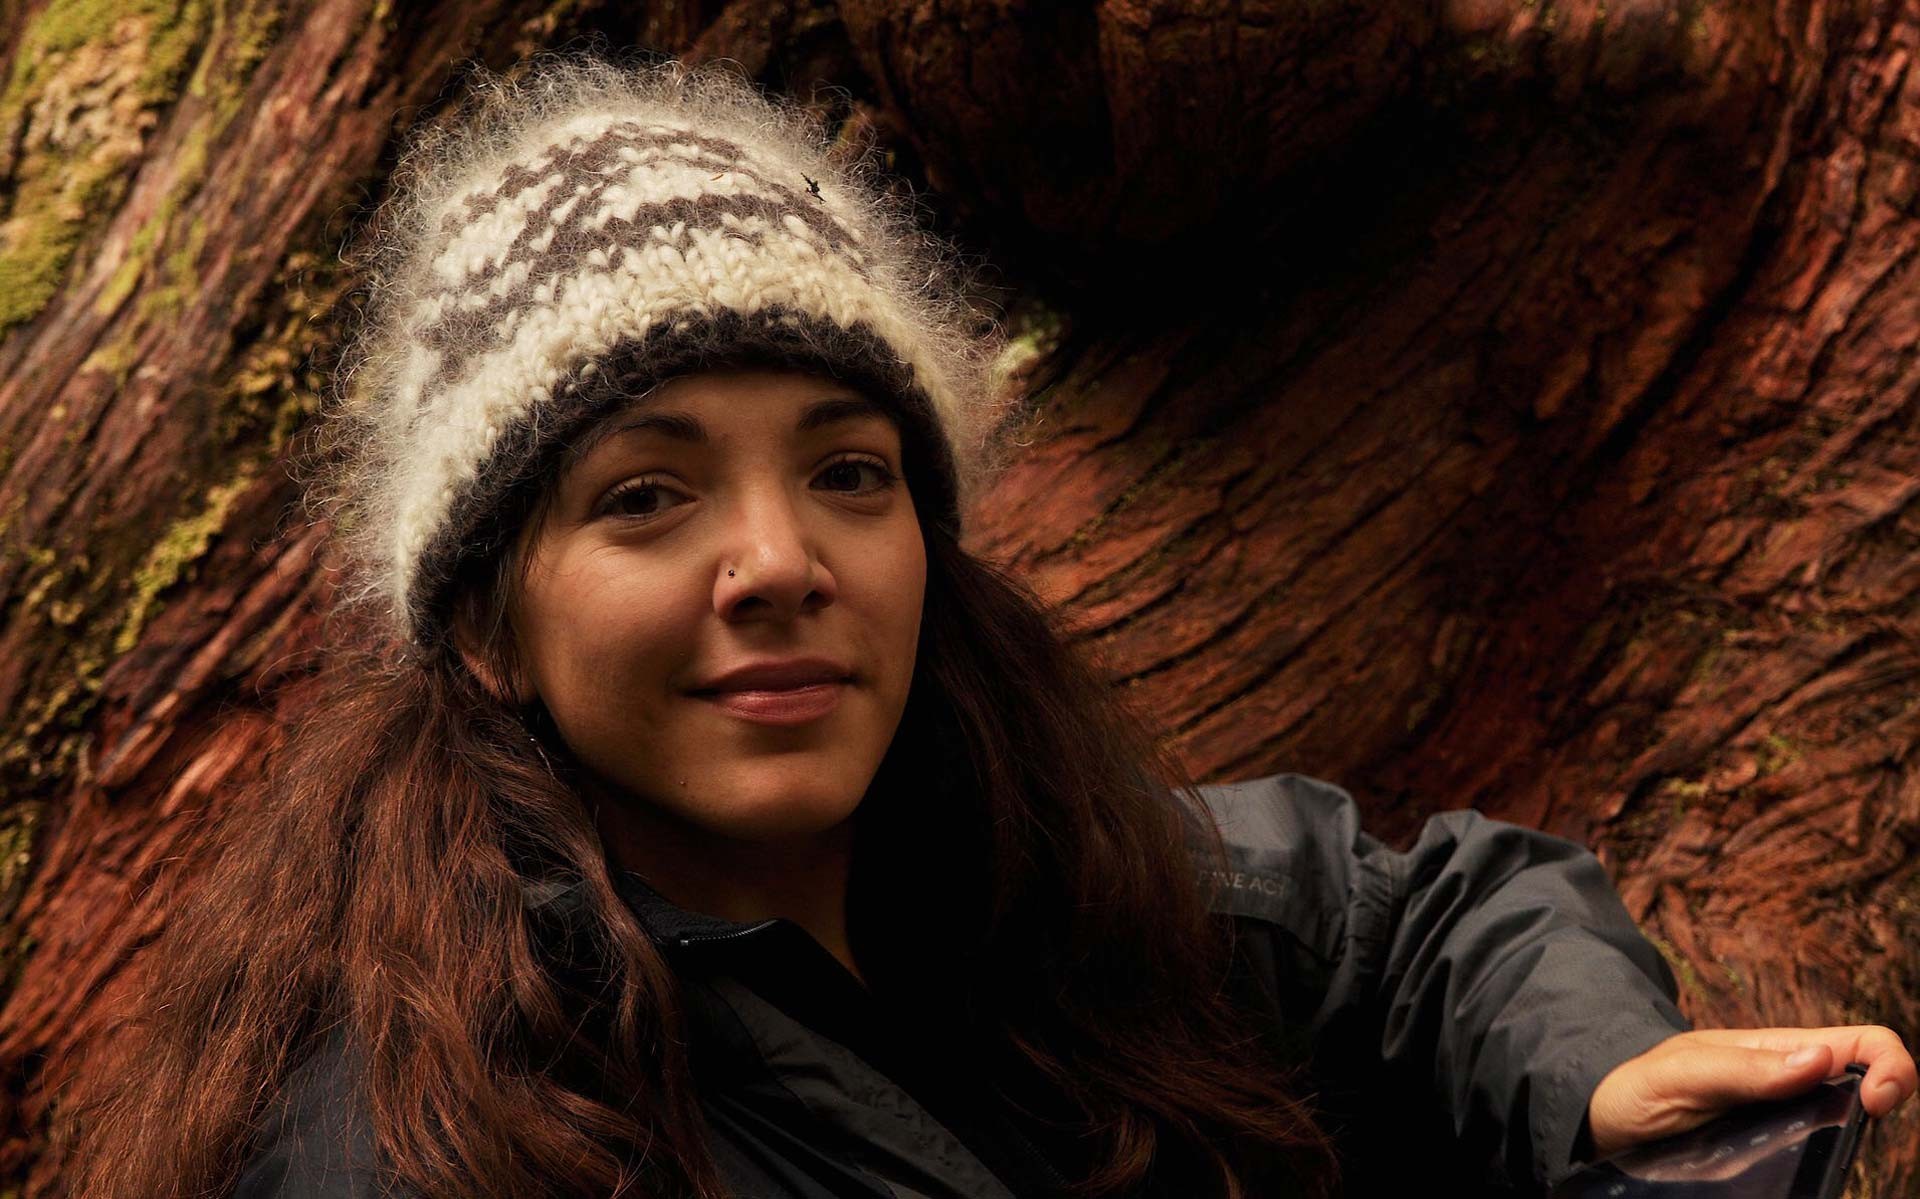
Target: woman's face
(727, 520)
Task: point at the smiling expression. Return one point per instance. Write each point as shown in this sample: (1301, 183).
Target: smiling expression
(725, 519)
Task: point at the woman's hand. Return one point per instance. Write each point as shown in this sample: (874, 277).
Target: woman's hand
(1691, 1077)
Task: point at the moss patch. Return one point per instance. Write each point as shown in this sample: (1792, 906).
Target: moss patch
(1735, 979)
(1683, 970)
(17, 827)
(77, 104)
(1034, 331)
(103, 596)
(178, 548)
(236, 45)
(1775, 753)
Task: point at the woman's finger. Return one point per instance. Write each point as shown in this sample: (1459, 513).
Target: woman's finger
(1891, 1075)
(1710, 1078)
(1687, 1080)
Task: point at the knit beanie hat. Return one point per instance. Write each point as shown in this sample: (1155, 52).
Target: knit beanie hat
(587, 232)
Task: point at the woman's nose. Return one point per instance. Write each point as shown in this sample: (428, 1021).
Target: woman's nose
(770, 563)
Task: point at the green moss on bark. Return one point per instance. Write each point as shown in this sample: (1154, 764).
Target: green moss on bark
(237, 43)
(102, 601)
(177, 549)
(77, 103)
(18, 825)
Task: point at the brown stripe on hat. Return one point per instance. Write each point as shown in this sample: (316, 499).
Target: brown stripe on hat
(585, 167)
(517, 177)
(461, 329)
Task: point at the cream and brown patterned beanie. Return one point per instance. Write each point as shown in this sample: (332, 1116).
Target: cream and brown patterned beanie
(588, 231)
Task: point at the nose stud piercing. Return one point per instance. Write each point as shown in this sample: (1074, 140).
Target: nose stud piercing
(729, 574)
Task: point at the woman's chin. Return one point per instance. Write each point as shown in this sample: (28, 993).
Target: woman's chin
(785, 822)
(782, 807)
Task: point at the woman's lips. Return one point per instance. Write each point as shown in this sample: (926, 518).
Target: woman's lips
(787, 706)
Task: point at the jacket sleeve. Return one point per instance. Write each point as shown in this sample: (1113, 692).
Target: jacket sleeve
(1479, 984)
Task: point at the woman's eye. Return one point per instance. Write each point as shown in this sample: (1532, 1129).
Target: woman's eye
(644, 498)
(640, 499)
(848, 470)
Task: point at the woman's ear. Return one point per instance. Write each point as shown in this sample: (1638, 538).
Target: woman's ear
(508, 684)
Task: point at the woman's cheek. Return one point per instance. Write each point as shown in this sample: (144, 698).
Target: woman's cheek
(618, 688)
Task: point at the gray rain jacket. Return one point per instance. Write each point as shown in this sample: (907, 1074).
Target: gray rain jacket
(1456, 1005)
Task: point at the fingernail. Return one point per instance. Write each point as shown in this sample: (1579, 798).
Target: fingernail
(1802, 1057)
(1889, 1090)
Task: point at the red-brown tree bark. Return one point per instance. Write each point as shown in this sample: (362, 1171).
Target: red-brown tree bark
(1496, 404)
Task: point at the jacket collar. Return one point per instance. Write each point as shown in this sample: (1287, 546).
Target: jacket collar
(668, 924)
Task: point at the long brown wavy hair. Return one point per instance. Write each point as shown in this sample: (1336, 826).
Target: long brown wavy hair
(379, 884)
(1039, 831)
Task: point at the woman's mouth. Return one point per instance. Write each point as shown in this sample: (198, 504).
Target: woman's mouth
(783, 706)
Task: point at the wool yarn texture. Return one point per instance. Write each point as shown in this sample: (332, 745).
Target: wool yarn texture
(590, 232)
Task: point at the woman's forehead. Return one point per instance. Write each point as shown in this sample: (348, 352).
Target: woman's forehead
(689, 409)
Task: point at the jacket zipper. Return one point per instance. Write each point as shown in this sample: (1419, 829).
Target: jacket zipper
(1033, 1153)
(705, 938)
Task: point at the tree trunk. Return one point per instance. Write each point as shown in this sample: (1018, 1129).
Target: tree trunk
(1505, 404)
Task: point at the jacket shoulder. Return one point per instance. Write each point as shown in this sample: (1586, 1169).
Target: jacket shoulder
(1291, 845)
(317, 1140)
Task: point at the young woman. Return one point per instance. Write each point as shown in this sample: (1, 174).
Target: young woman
(686, 813)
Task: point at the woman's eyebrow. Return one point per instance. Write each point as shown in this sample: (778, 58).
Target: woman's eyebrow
(682, 426)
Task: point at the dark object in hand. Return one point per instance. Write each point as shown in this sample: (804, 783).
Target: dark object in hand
(1795, 1148)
